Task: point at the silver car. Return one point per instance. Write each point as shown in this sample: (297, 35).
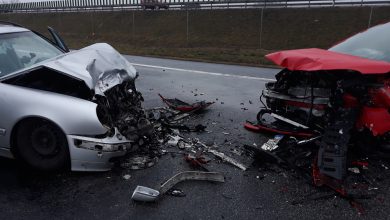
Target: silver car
(61, 109)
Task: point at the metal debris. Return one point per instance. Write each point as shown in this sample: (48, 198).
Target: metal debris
(184, 106)
(146, 194)
(191, 175)
(228, 159)
(138, 162)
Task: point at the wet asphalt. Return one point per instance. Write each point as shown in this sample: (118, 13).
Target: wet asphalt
(259, 193)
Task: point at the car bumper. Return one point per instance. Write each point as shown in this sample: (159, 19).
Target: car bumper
(95, 154)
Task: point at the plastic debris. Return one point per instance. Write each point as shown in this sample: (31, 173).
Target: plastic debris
(272, 144)
(354, 170)
(179, 105)
(126, 177)
(176, 193)
(138, 162)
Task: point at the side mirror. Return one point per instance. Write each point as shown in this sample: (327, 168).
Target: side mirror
(145, 194)
(58, 40)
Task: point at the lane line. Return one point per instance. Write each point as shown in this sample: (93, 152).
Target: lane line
(203, 72)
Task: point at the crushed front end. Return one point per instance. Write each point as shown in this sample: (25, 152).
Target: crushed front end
(119, 108)
(331, 109)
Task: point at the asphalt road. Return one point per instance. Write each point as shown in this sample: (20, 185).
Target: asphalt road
(258, 193)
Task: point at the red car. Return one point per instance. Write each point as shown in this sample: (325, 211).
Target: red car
(338, 96)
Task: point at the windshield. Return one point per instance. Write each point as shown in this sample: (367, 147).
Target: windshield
(23, 49)
(372, 44)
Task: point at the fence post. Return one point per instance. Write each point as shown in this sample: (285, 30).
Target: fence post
(133, 27)
(261, 28)
(92, 35)
(187, 27)
(370, 17)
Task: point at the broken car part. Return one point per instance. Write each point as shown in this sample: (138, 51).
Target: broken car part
(145, 194)
(138, 162)
(272, 144)
(183, 106)
(196, 128)
(197, 161)
(228, 159)
(289, 121)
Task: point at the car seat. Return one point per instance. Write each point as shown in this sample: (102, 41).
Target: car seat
(8, 62)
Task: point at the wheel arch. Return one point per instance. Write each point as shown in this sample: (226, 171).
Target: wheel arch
(13, 135)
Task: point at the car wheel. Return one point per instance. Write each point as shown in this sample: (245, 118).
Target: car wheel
(42, 145)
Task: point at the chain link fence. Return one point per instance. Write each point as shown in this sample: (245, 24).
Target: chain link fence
(242, 35)
(117, 5)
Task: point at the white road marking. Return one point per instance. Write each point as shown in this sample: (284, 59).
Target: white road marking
(204, 72)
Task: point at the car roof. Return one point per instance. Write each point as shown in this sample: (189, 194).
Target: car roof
(9, 28)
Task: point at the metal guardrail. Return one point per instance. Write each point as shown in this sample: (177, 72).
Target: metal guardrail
(111, 5)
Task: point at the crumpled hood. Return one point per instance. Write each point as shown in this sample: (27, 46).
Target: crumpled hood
(100, 66)
(314, 59)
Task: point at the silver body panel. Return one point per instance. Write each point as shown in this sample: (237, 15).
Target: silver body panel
(6, 29)
(77, 118)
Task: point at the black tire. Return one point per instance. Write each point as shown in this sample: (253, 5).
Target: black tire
(42, 145)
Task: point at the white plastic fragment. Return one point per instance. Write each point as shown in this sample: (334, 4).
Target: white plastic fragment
(126, 177)
(354, 170)
(272, 144)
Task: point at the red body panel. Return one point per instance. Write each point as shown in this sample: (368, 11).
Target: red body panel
(318, 59)
(380, 97)
(375, 119)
